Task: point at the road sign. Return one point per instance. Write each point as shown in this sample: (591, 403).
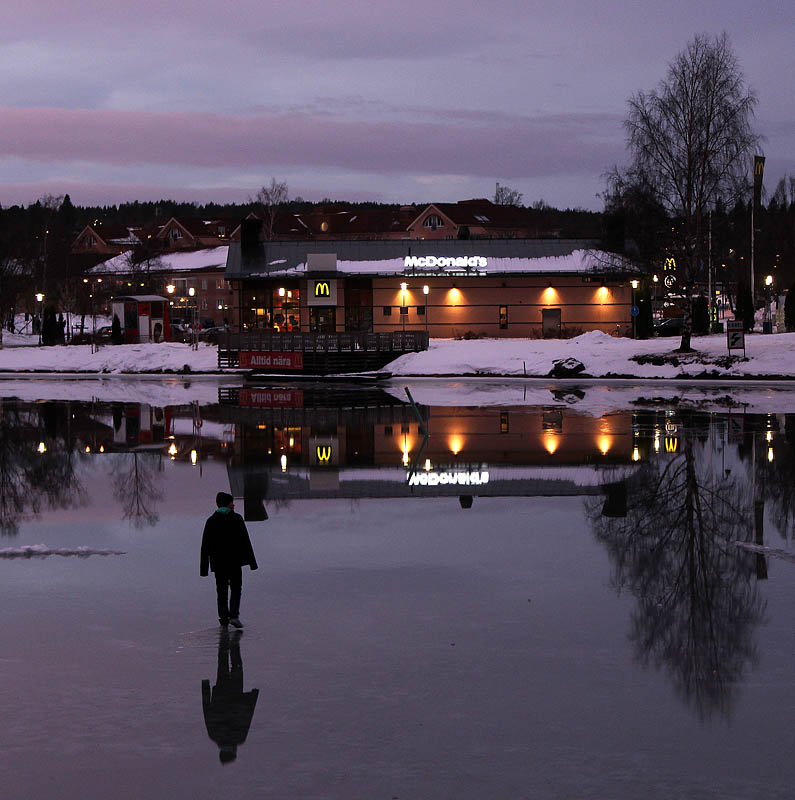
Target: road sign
(735, 335)
(635, 311)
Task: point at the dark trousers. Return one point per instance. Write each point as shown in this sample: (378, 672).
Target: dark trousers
(229, 585)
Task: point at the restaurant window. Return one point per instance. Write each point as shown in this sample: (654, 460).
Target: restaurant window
(420, 311)
(503, 318)
(404, 310)
(204, 285)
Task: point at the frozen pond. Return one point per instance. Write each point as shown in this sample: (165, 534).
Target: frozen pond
(545, 597)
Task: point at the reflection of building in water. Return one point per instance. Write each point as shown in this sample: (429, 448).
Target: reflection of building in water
(307, 442)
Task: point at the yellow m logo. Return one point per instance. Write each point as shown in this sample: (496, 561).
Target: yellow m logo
(670, 263)
(671, 444)
(323, 453)
(322, 289)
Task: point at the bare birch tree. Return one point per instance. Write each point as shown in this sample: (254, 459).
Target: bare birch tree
(692, 140)
(271, 198)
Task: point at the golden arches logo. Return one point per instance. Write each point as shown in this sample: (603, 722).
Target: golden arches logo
(323, 453)
(671, 444)
(670, 263)
(322, 289)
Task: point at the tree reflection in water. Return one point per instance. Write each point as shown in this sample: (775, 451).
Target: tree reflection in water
(697, 598)
(37, 462)
(135, 487)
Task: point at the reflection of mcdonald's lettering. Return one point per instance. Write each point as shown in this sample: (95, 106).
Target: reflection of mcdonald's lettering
(322, 289)
(759, 166)
(671, 444)
(670, 263)
(323, 453)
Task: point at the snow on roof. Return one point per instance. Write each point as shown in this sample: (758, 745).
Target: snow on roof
(577, 262)
(211, 257)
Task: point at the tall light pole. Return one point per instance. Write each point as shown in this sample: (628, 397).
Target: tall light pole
(634, 315)
(767, 324)
(40, 301)
(426, 290)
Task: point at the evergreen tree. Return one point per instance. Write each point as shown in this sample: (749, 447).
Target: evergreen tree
(789, 309)
(116, 336)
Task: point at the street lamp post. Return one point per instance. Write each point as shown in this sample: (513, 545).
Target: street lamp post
(634, 315)
(40, 301)
(194, 338)
(767, 322)
(426, 290)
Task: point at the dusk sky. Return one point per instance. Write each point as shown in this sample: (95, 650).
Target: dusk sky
(354, 99)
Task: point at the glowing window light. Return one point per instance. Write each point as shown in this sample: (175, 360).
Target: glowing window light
(282, 291)
(551, 443)
(604, 443)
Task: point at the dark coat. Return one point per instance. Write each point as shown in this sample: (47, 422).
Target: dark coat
(225, 544)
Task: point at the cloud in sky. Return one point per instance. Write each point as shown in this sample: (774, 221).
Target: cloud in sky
(381, 99)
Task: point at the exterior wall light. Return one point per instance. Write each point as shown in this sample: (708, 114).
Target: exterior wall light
(635, 284)
(403, 287)
(281, 291)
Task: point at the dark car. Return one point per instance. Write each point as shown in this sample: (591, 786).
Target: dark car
(179, 332)
(669, 326)
(212, 335)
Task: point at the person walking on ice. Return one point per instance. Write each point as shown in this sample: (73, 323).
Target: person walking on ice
(226, 549)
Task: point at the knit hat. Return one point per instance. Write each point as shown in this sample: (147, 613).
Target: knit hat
(223, 499)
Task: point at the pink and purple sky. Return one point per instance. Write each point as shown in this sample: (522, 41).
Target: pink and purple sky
(354, 99)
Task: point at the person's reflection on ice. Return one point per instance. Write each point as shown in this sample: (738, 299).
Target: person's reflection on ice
(228, 710)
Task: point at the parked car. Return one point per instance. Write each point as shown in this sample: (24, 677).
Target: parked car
(669, 326)
(179, 332)
(212, 335)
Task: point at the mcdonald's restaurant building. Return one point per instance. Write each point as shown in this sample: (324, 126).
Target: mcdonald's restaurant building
(513, 288)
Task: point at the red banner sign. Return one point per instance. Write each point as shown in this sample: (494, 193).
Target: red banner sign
(272, 398)
(252, 360)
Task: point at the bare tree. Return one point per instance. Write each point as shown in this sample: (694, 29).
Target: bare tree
(505, 196)
(271, 198)
(692, 139)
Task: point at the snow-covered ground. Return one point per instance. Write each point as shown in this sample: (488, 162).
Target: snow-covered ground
(602, 356)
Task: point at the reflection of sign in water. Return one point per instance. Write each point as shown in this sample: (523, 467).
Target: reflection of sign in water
(323, 453)
(671, 444)
(272, 398)
(252, 360)
(448, 478)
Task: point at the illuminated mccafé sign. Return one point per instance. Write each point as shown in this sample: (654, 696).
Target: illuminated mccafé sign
(437, 262)
(448, 478)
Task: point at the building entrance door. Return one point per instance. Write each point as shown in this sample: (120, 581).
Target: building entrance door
(323, 319)
(550, 323)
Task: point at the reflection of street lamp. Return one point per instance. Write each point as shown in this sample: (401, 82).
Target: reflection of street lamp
(40, 301)
(403, 309)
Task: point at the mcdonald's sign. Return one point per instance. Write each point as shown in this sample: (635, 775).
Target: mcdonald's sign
(323, 453)
(671, 444)
(322, 293)
(670, 263)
